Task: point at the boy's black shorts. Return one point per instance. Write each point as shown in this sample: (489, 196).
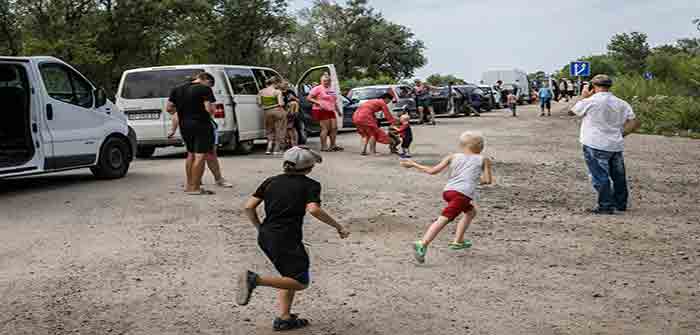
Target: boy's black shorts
(289, 257)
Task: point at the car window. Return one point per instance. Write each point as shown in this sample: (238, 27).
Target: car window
(66, 85)
(260, 77)
(368, 93)
(269, 74)
(155, 84)
(404, 92)
(242, 81)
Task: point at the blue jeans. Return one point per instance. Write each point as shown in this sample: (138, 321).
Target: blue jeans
(604, 167)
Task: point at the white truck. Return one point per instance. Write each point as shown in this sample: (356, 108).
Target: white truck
(509, 77)
(55, 119)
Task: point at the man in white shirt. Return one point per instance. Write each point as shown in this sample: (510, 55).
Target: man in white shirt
(606, 120)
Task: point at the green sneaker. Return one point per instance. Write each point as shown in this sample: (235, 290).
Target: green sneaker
(460, 246)
(419, 251)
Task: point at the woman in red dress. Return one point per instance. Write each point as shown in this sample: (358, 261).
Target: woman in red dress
(367, 125)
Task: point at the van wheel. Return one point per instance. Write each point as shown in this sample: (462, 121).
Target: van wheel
(114, 160)
(245, 147)
(145, 152)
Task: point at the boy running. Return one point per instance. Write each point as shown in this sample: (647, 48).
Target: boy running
(466, 170)
(287, 198)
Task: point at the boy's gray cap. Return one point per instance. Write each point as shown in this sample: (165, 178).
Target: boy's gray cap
(302, 157)
(602, 80)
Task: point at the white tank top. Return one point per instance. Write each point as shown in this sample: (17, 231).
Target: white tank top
(465, 174)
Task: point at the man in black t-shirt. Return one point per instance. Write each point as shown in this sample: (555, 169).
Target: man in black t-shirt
(193, 104)
(287, 198)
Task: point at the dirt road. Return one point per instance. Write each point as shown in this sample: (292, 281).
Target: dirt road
(136, 256)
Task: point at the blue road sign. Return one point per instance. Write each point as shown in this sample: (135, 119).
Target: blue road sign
(580, 69)
(648, 75)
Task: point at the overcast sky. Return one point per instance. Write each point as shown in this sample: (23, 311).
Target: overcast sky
(467, 37)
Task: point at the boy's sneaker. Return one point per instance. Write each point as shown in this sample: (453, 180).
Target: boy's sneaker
(466, 244)
(405, 156)
(247, 282)
(600, 211)
(419, 252)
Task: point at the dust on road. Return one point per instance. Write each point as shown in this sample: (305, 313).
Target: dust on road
(136, 256)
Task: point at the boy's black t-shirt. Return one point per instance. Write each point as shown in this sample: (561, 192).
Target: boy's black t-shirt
(286, 197)
(189, 100)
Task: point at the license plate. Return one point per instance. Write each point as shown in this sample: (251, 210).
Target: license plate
(144, 116)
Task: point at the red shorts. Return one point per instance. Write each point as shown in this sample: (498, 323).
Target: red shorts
(457, 203)
(322, 115)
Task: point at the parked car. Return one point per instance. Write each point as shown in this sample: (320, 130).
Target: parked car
(493, 95)
(143, 95)
(509, 78)
(477, 99)
(55, 119)
(404, 99)
(450, 103)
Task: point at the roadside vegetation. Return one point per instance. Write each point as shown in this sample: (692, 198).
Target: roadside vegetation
(105, 37)
(662, 83)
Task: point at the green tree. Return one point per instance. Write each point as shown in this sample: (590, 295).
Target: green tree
(443, 80)
(10, 43)
(630, 51)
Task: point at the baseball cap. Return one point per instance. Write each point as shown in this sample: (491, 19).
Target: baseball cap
(602, 80)
(302, 158)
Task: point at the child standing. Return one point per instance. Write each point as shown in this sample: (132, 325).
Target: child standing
(512, 103)
(466, 170)
(287, 198)
(406, 134)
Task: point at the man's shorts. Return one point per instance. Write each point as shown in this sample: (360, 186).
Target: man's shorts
(546, 103)
(424, 102)
(457, 203)
(198, 138)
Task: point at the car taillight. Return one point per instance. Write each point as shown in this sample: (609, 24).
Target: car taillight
(219, 111)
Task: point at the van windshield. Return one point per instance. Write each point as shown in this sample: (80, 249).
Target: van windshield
(155, 84)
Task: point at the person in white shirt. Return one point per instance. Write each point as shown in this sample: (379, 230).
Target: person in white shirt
(606, 120)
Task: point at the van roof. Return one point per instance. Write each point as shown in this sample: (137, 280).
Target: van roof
(29, 58)
(378, 86)
(194, 66)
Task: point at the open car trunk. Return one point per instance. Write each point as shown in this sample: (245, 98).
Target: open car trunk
(16, 145)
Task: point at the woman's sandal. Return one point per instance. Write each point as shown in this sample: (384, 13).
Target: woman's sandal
(336, 148)
(294, 323)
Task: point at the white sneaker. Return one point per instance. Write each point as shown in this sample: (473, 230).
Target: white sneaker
(223, 183)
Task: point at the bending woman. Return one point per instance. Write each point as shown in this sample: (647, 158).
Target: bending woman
(324, 110)
(367, 125)
(272, 102)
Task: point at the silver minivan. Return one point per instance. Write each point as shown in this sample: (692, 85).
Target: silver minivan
(143, 96)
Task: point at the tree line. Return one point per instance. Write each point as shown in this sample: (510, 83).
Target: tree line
(662, 82)
(103, 38)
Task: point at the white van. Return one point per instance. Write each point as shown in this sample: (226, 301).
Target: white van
(54, 119)
(143, 96)
(510, 77)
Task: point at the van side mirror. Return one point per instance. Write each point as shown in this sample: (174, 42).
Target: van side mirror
(100, 97)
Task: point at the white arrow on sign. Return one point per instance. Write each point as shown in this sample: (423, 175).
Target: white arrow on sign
(580, 68)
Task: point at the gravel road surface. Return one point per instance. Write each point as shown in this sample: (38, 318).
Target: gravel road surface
(137, 256)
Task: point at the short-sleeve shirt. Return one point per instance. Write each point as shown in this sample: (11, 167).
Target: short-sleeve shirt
(285, 197)
(326, 96)
(604, 116)
(189, 100)
(545, 93)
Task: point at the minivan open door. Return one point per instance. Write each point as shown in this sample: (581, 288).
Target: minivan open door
(306, 83)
